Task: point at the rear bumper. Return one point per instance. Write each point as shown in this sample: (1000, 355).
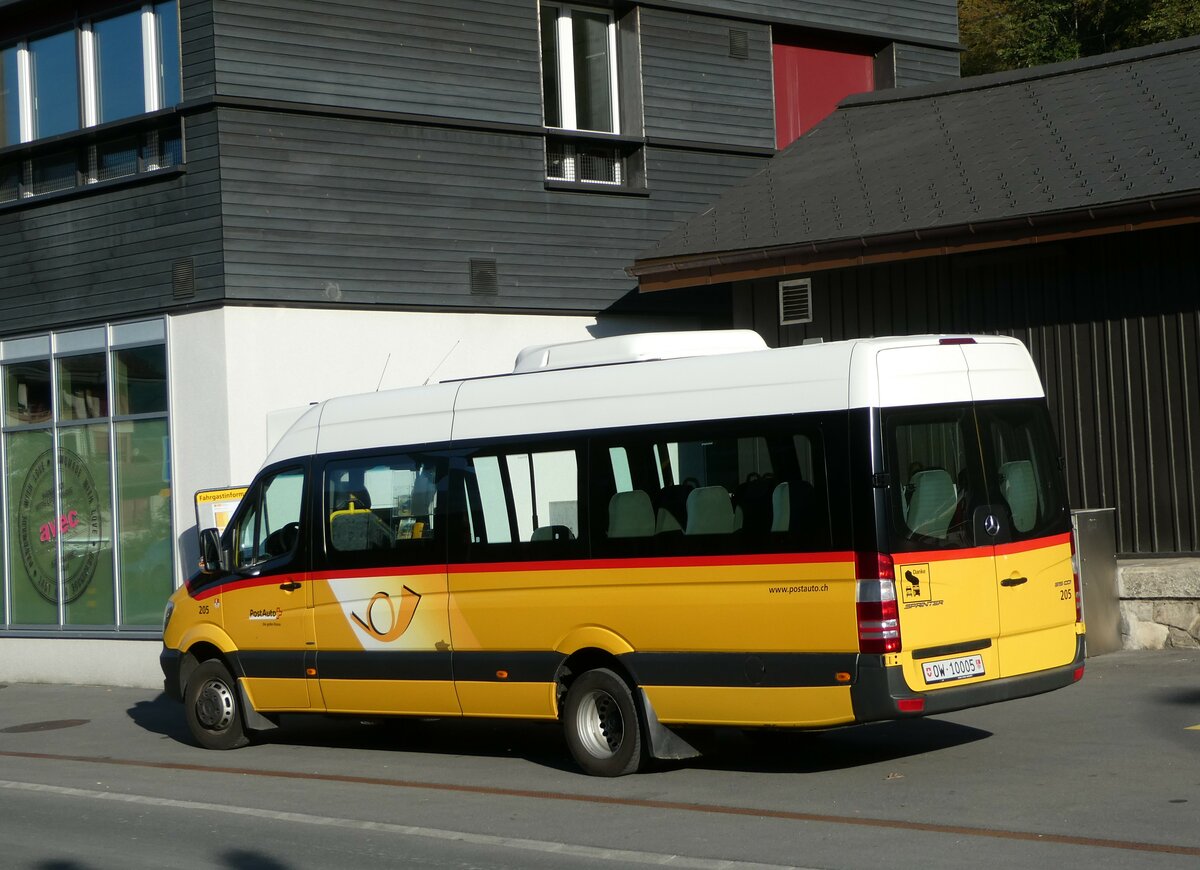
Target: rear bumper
(878, 691)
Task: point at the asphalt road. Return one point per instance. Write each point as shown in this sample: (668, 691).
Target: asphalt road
(1103, 774)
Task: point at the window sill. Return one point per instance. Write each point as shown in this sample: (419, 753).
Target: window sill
(95, 187)
(595, 187)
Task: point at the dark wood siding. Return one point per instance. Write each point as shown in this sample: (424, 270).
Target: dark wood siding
(109, 254)
(321, 209)
(693, 89)
(197, 48)
(918, 65)
(906, 20)
(1113, 325)
(457, 59)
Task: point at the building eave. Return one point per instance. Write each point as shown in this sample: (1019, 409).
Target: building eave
(697, 270)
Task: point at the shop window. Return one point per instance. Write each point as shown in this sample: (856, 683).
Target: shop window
(87, 511)
(82, 387)
(27, 393)
(140, 380)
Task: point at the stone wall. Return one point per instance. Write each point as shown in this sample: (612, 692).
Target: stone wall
(1160, 603)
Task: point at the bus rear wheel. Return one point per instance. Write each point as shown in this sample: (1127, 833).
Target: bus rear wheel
(214, 713)
(602, 725)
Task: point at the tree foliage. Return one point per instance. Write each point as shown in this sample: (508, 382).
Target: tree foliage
(1012, 34)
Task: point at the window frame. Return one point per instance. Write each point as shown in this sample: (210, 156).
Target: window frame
(569, 148)
(565, 68)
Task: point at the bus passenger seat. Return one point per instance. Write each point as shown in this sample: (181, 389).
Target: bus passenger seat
(933, 501)
(793, 505)
(752, 503)
(709, 512)
(354, 526)
(630, 515)
(552, 533)
(1019, 490)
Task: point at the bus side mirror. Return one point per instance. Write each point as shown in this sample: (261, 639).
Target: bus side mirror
(210, 552)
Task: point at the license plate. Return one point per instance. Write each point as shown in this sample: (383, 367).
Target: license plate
(945, 670)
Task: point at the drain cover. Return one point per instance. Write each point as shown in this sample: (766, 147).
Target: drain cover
(52, 725)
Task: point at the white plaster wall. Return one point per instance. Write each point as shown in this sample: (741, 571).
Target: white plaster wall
(280, 359)
(82, 662)
(240, 376)
(200, 443)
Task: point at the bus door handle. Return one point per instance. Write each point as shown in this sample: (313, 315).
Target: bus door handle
(1014, 581)
(290, 586)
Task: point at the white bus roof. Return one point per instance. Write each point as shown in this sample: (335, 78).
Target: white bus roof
(669, 378)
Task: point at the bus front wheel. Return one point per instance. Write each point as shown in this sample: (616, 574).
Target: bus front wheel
(602, 724)
(214, 714)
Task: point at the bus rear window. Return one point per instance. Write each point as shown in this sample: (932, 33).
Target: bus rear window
(933, 460)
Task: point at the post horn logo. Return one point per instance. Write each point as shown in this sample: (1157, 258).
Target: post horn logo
(384, 621)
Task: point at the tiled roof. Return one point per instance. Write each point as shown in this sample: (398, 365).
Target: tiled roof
(1119, 128)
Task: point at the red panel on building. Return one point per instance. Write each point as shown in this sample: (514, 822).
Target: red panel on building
(811, 78)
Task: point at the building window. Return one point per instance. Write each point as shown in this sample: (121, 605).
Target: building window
(103, 70)
(86, 485)
(580, 95)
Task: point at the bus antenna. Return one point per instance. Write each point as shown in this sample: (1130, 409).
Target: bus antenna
(384, 372)
(441, 361)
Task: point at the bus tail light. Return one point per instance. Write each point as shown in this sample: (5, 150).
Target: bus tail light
(875, 603)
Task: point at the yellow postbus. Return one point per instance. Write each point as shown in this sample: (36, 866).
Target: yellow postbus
(638, 534)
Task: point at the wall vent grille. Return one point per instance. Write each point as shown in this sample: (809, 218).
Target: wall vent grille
(739, 43)
(183, 279)
(795, 301)
(484, 278)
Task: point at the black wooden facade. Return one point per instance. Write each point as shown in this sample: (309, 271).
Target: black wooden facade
(365, 153)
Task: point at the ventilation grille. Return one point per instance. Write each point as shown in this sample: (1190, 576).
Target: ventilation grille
(484, 278)
(183, 279)
(795, 301)
(739, 44)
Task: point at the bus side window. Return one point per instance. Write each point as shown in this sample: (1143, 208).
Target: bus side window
(523, 497)
(728, 486)
(381, 504)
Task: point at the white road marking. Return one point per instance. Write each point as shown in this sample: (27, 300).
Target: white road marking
(599, 854)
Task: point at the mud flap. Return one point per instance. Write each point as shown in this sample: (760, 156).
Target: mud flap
(665, 744)
(251, 718)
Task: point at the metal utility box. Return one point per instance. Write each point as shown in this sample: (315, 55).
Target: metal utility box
(1096, 555)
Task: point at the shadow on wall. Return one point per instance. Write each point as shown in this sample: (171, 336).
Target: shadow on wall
(666, 311)
(189, 551)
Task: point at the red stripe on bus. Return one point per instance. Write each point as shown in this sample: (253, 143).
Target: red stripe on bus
(983, 552)
(661, 562)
